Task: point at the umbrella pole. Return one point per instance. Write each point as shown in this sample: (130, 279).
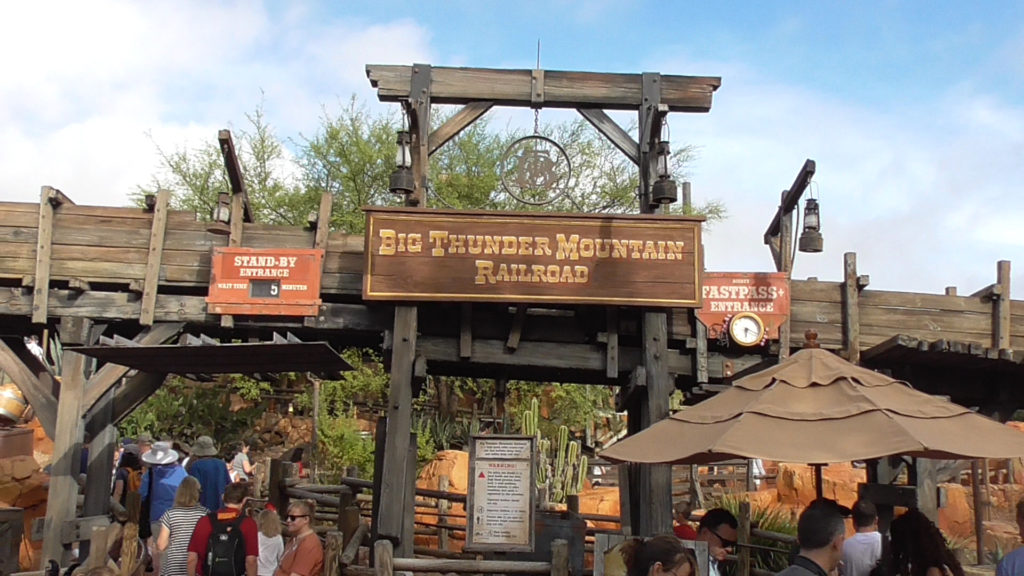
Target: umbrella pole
(818, 482)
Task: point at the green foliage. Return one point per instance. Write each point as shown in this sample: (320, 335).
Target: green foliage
(340, 443)
(249, 389)
(771, 518)
(572, 405)
(182, 410)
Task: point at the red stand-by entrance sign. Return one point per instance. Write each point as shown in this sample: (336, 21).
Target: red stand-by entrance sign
(265, 282)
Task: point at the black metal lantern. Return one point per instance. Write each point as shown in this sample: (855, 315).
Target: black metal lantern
(222, 211)
(402, 180)
(664, 189)
(811, 239)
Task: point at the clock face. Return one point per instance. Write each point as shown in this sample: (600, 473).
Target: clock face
(746, 329)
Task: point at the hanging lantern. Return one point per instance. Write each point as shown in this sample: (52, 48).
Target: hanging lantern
(664, 189)
(222, 211)
(811, 239)
(402, 180)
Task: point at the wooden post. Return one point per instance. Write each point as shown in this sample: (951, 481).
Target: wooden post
(1001, 308)
(393, 505)
(419, 114)
(154, 258)
(927, 487)
(443, 507)
(851, 308)
(405, 544)
(743, 552)
(979, 510)
(99, 471)
(656, 502)
(383, 553)
(786, 261)
(559, 557)
(314, 457)
(63, 492)
(44, 240)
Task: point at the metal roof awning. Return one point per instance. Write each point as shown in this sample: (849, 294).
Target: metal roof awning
(211, 357)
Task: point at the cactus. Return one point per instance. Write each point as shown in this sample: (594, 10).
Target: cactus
(560, 466)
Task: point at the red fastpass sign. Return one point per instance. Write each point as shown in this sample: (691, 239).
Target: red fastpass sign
(725, 294)
(265, 282)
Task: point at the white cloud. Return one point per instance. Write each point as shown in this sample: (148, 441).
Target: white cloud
(91, 80)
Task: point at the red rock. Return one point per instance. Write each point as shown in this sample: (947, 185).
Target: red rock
(957, 517)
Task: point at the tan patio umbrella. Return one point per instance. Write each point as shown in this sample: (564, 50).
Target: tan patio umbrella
(817, 408)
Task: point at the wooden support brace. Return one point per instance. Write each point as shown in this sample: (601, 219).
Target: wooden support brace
(44, 242)
(457, 123)
(700, 356)
(515, 333)
(154, 258)
(399, 426)
(111, 374)
(612, 342)
(234, 170)
(35, 382)
(613, 132)
(420, 84)
(320, 240)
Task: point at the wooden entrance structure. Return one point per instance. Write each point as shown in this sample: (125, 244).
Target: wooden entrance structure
(139, 277)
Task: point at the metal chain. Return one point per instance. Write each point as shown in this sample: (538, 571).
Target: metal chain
(536, 121)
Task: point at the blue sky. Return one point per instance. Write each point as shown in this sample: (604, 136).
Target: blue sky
(914, 111)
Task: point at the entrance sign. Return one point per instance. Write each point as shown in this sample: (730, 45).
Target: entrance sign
(750, 297)
(499, 503)
(629, 260)
(265, 282)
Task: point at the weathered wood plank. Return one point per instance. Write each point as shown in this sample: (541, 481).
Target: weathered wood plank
(562, 89)
(110, 374)
(1001, 308)
(44, 238)
(613, 132)
(156, 250)
(656, 500)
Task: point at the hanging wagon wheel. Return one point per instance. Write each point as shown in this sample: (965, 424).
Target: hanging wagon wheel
(535, 170)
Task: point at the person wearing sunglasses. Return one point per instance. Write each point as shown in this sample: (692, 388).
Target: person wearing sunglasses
(304, 554)
(718, 527)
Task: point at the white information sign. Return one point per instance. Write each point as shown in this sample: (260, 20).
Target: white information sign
(500, 499)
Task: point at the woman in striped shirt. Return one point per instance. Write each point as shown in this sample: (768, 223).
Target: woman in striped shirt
(176, 527)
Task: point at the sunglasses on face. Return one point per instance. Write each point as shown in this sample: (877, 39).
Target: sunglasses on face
(726, 543)
(294, 517)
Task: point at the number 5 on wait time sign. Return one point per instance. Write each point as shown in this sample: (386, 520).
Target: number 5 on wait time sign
(264, 288)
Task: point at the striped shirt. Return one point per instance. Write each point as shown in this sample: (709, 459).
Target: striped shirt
(180, 522)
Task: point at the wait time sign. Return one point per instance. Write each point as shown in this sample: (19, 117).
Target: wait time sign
(271, 282)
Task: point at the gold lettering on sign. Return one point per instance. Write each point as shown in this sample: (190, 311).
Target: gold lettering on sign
(487, 273)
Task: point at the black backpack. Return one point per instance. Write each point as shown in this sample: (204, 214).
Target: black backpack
(225, 550)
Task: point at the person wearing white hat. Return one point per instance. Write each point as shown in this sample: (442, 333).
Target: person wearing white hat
(159, 484)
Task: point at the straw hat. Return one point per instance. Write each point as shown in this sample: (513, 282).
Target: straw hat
(204, 447)
(162, 453)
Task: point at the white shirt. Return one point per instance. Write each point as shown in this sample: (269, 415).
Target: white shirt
(271, 550)
(860, 553)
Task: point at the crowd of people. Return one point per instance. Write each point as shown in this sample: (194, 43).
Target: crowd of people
(915, 546)
(194, 520)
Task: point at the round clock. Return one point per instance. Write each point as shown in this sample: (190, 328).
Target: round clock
(746, 329)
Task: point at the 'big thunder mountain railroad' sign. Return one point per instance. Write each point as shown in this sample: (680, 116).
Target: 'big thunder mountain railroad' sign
(631, 260)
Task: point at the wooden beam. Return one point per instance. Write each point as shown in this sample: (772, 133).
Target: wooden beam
(700, 357)
(393, 490)
(63, 491)
(44, 242)
(791, 197)
(35, 383)
(57, 198)
(627, 394)
(613, 132)
(320, 240)
(234, 170)
(1001, 308)
(851, 308)
(111, 374)
(154, 258)
(562, 89)
(419, 85)
(461, 120)
(611, 369)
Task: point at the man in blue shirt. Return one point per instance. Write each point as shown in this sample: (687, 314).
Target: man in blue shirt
(1013, 563)
(211, 471)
